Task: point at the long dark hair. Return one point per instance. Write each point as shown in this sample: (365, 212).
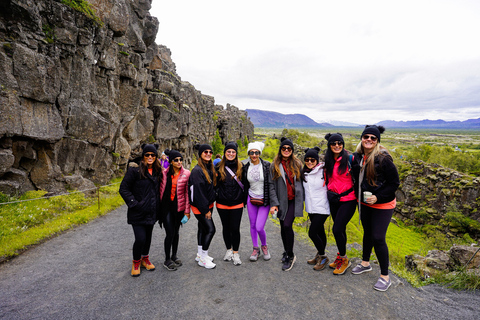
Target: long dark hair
(206, 167)
(157, 169)
(330, 162)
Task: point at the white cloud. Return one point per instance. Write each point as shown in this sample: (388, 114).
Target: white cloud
(358, 61)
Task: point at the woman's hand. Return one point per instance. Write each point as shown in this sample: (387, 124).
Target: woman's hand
(188, 215)
(372, 199)
(208, 215)
(273, 209)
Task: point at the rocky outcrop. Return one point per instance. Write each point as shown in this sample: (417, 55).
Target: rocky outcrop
(438, 261)
(443, 198)
(80, 93)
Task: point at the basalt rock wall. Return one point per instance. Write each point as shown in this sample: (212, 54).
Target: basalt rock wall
(79, 94)
(443, 198)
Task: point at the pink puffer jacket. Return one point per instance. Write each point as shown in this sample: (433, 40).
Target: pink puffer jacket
(182, 189)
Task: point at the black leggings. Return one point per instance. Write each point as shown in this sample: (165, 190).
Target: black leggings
(171, 222)
(206, 231)
(231, 219)
(342, 213)
(286, 228)
(143, 239)
(375, 224)
(317, 231)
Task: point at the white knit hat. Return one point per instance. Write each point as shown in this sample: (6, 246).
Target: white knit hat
(257, 145)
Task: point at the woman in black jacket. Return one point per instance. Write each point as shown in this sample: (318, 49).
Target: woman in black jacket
(377, 180)
(140, 190)
(201, 194)
(230, 200)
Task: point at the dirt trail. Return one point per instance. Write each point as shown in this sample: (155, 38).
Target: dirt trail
(85, 274)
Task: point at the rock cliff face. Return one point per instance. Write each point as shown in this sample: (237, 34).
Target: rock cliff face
(79, 94)
(443, 198)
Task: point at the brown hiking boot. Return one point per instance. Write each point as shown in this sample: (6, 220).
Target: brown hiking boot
(147, 264)
(334, 264)
(342, 266)
(135, 268)
(321, 263)
(314, 260)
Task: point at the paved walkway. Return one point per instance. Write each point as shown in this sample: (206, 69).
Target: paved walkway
(85, 274)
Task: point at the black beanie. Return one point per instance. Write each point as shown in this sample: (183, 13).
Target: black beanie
(173, 154)
(312, 153)
(332, 137)
(231, 145)
(286, 142)
(373, 129)
(150, 148)
(202, 148)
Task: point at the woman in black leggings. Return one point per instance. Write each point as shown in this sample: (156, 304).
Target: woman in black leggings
(378, 180)
(140, 190)
(175, 205)
(201, 194)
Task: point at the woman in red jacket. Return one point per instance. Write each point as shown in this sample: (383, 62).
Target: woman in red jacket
(175, 206)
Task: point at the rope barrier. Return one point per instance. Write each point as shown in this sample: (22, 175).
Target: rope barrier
(60, 195)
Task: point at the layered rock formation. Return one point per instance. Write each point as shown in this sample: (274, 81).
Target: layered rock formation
(440, 197)
(79, 93)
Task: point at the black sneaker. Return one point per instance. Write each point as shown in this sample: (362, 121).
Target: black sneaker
(177, 261)
(289, 261)
(284, 255)
(170, 265)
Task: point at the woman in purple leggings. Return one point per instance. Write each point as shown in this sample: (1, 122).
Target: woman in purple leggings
(255, 176)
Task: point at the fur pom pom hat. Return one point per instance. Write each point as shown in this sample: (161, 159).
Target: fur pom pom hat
(286, 142)
(332, 137)
(150, 148)
(257, 145)
(373, 129)
(312, 153)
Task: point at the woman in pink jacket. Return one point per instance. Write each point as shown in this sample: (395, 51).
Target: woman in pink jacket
(341, 196)
(175, 206)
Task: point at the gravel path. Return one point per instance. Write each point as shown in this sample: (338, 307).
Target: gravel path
(85, 274)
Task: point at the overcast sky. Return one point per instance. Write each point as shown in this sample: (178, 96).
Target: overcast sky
(357, 61)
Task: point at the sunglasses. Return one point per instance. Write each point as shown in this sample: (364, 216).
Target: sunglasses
(254, 153)
(148, 155)
(310, 160)
(366, 137)
(231, 152)
(286, 149)
(337, 143)
(208, 152)
(177, 160)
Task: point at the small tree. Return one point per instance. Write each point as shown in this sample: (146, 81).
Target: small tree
(217, 144)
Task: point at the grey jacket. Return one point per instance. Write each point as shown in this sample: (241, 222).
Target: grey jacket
(278, 194)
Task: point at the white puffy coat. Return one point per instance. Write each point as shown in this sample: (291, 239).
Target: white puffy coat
(316, 201)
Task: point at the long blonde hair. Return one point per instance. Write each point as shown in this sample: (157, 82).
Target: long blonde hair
(294, 166)
(204, 165)
(221, 169)
(369, 163)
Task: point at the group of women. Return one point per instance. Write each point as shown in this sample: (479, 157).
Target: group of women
(367, 178)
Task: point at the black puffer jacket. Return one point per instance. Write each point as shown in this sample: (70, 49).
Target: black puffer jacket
(229, 192)
(142, 196)
(201, 193)
(266, 185)
(387, 179)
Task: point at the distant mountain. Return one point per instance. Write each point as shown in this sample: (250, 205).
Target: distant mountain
(270, 119)
(432, 124)
(338, 123)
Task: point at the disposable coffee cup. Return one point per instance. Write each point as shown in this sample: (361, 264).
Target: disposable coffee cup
(366, 195)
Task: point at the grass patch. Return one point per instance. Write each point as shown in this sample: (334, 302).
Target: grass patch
(28, 223)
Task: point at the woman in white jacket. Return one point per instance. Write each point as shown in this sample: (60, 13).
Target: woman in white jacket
(316, 205)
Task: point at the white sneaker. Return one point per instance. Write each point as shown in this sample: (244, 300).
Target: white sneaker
(206, 263)
(228, 255)
(198, 258)
(236, 259)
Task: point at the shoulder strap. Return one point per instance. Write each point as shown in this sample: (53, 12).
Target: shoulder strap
(234, 177)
